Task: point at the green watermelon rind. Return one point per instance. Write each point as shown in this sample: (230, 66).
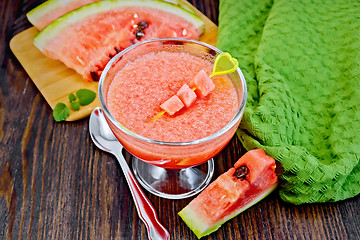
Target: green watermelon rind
(181, 4)
(196, 222)
(54, 28)
(44, 8)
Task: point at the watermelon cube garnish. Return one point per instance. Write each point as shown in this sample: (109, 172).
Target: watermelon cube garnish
(172, 105)
(203, 84)
(186, 95)
(251, 179)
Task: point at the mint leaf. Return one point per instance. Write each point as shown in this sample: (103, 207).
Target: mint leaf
(75, 105)
(61, 112)
(85, 96)
(72, 98)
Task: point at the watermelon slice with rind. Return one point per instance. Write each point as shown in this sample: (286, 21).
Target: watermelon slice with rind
(87, 38)
(251, 179)
(50, 10)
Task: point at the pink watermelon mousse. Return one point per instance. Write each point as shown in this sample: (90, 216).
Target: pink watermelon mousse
(251, 179)
(136, 95)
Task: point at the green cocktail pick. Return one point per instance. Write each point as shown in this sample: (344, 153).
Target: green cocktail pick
(224, 64)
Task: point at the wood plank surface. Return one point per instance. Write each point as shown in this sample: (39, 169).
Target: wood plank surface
(55, 184)
(56, 81)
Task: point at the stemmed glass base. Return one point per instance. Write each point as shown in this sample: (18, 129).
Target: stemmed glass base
(173, 183)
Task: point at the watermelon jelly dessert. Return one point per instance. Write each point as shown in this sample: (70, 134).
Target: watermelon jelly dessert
(201, 114)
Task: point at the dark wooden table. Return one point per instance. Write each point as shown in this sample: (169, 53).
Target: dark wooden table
(55, 184)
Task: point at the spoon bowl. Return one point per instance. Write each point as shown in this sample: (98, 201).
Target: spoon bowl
(101, 134)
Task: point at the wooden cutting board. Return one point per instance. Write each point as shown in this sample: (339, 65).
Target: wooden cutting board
(56, 81)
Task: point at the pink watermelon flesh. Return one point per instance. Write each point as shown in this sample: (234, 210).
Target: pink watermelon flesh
(87, 46)
(203, 84)
(172, 105)
(186, 95)
(252, 179)
(40, 19)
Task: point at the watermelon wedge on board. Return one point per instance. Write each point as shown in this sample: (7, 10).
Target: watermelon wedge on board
(85, 39)
(50, 10)
(251, 179)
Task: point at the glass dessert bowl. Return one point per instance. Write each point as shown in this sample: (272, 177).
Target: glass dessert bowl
(172, 153)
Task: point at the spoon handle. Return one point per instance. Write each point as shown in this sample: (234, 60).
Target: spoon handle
(143, 206)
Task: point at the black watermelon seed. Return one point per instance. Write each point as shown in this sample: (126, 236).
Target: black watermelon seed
(143, 24)
(94, 76)
(241, 172)
(139, 34)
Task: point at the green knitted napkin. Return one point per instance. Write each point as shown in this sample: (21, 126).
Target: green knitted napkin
(301, 61)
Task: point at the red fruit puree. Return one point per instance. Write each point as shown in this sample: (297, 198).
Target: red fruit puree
(141, 86)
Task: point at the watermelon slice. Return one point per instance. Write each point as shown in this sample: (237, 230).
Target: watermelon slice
(251, 179)
(50, 10)
(186, 95)
(203, 84)
(87, 38)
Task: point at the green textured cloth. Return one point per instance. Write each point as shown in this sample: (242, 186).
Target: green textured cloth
(301, 61)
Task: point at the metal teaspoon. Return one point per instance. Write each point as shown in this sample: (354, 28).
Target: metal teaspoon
(105, 140)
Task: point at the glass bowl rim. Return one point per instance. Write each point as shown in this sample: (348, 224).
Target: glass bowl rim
(125, 130)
